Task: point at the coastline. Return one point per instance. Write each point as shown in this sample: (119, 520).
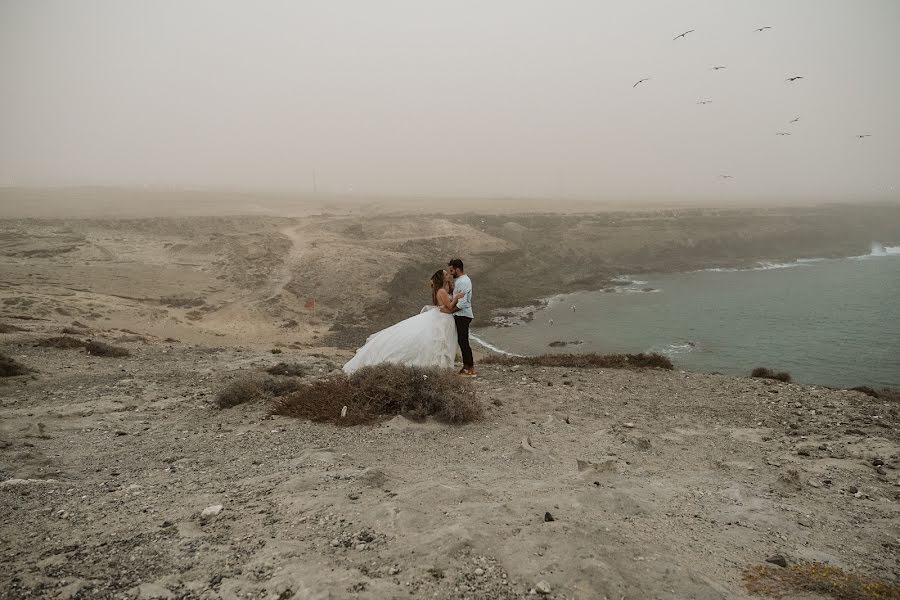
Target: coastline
(700, 349)
(508, 316)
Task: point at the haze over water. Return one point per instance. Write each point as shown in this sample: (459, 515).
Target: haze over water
(830, 322)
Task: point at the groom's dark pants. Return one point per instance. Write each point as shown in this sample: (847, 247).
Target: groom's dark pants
(462, 337)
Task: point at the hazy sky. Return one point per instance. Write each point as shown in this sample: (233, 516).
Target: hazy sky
(511, 97)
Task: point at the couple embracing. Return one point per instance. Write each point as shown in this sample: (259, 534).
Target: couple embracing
(428, 339)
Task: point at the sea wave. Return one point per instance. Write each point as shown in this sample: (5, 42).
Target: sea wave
(877, 250)
(763, 266)
(630, 285)
(629, 281)
(491, 347)
(675, 348)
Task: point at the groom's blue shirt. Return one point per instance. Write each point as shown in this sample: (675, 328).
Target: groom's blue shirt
(464, 306)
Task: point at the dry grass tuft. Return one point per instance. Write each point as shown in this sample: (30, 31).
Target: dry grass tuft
(253, 387)
(63, 342)
(589, 360)
(379, 391)
(10, 367)
(287, 370)
(764, 373)
(816, 578)
(8, 328)
(100, 349)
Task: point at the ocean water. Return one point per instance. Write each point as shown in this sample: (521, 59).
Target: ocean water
(826, 321)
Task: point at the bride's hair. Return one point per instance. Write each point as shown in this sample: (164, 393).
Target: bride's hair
(437, 282)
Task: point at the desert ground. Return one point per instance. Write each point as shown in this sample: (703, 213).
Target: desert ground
(121, 478)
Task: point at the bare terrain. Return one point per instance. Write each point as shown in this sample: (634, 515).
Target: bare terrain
(119, 478)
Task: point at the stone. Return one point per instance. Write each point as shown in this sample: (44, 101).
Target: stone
(212, 511)
(548, 517)
(393, 570)
(877, 462)
(628, 425)
(479, 571)
(542, 588)
(777, 559)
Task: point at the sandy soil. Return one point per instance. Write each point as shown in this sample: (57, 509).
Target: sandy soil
(660, 484)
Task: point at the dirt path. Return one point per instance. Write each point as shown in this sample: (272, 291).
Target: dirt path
(291, 262)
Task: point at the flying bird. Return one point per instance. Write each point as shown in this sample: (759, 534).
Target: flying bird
(794, 78)
(864, 135)
(681, 35)
(640, 82)
(782, 133)
(726, 176)
(763, 28)
(705, 102)
(718, 68)
(794, 120)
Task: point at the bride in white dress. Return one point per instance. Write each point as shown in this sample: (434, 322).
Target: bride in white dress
(425, 340)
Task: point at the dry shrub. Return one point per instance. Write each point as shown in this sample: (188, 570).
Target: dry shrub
(586, 360)
(252, 387)
(816, 578)
(889, 393)
(379, 391)
(864, 389)
(764, 373)
(287, 370)
(95, 348)
(63, 342)
(8, 328)
(176, 302)
(885, 393)
(74, 331)
(131, 338)
(9, 367)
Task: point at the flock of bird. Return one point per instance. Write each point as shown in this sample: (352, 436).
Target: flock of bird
(791, 79)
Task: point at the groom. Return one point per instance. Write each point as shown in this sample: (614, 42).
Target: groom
(463, 315)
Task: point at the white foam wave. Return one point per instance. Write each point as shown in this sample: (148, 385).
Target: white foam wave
(676, 348)
(491, 347)
(877, 250)
(764, 266)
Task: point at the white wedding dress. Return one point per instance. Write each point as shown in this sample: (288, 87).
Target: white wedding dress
(425, 340)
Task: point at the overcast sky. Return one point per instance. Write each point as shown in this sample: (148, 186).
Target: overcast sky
(513, 97)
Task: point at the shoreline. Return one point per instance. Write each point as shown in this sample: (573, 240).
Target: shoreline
(523, 313)
(519, 316)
